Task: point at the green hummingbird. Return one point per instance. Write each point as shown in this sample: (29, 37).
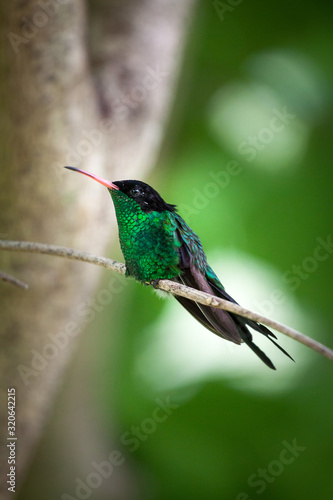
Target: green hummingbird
(158, 244)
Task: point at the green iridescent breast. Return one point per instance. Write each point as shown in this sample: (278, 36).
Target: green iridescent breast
(147, 239)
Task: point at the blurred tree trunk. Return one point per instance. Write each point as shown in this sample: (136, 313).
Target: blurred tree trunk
(83, 88)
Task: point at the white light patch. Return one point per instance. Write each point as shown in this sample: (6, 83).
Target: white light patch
(182, 352)
(254, 123)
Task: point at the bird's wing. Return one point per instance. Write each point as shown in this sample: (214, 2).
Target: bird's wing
(197, 274)
(242, 322)
(192, 261)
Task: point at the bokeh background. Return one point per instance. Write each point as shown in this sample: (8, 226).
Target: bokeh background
(248, 159)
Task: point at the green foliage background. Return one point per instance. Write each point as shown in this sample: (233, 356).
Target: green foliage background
(221, 434)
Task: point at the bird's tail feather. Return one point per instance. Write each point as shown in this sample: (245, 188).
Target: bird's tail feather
(265, 331)
(242, 326)
(260, 354)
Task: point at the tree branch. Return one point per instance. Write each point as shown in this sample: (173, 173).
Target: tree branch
(168, 286)
(12, 280)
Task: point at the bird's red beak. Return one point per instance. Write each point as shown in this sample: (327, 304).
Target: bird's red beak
(106, 183)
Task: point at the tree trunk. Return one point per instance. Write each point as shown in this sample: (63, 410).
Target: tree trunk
(90, 89)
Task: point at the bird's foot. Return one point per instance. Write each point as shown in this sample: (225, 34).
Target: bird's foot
(154, 283)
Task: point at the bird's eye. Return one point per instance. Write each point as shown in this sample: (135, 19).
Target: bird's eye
(136, 191)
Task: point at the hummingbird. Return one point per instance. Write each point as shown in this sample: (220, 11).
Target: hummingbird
(157, 244)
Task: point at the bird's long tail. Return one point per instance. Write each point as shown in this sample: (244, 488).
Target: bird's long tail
(242, 324)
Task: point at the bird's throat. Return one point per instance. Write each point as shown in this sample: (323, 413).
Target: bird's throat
(146, 239)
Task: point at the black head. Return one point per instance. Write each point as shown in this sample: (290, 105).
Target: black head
(148, 199)
(145, 196)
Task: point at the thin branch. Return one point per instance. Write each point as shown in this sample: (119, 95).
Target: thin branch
(12, 280)
(213, 301)
(168, 286)
(69, 253)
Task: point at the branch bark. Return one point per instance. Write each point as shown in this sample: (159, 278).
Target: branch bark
(14, 281)
(168, 286)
